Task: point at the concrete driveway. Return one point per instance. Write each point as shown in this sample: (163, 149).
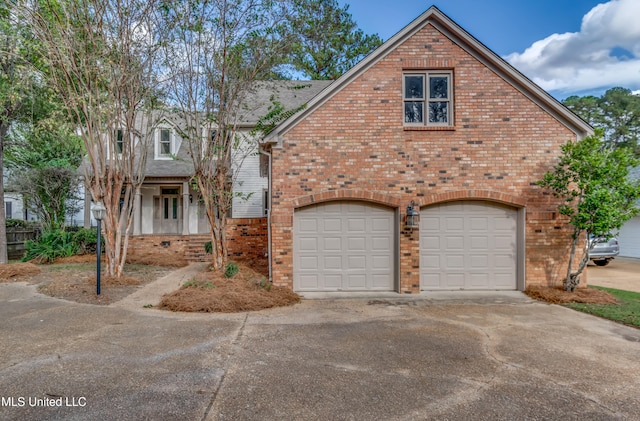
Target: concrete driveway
(439, 356)
(621, 273)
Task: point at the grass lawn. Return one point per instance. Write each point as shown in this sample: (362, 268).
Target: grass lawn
(627, 311)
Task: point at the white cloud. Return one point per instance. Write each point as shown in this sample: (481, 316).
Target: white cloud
(605, 53)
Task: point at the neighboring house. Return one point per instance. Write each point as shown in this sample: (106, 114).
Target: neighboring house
(629, 237)
(168, 212)
(432, 123)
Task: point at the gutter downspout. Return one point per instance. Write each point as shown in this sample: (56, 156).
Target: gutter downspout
(268, 154)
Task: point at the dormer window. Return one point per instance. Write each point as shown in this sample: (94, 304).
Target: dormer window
(164, 143)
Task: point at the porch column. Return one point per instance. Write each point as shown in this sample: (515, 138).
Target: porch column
(87, 208)
(137, 214)
(185, 208)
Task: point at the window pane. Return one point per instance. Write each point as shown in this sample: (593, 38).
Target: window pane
(175, 207)
(413, 112)
(438, 87)
(166, 208)
(438, 112)
(414, 87)
(164, 135)
(165, 148)
(119, 144)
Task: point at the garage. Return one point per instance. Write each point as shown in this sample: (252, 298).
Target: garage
(469, 245)
(344, 246)
(629, 238)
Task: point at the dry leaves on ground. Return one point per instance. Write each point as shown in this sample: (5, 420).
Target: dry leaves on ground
(248, 290)
(557, 295)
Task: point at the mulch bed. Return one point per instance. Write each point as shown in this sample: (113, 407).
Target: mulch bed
(17, 271)
(557, 295)
(248, 290)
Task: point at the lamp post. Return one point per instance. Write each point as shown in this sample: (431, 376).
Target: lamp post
(98, 213)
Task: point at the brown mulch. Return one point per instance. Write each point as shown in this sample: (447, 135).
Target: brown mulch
(248, 290)
(139, 258)
(557, 295)
(17, 271)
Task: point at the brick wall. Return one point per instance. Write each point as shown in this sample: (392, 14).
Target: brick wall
(355, 146)
(247, 237)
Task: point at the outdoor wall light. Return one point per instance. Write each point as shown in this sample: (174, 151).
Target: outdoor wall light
(413, 216)
(190, 198)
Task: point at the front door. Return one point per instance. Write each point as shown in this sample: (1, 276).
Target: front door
(167, 212)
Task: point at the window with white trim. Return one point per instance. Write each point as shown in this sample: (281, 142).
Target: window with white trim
(428, 98)
(164, 143)
(119, 143)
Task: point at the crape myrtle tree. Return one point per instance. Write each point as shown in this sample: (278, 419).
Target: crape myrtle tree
(100, 55)
(591, 179)
(328, 41)
(215, 53)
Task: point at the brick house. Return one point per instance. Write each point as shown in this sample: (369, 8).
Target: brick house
(434, 124)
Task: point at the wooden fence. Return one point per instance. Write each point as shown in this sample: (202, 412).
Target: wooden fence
(16, 239)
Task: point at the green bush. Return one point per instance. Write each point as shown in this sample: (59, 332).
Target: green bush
(208, 248)
(230, 270)
(50, 245)
(86, 240)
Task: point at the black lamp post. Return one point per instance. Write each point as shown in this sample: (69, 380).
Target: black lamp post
(98, 213)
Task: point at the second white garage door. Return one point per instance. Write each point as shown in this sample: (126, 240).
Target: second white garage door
(344, 246)
(468, 245)
(629, 238)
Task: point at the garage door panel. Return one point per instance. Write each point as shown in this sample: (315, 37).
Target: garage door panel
(354, 243)
(308, 225)
(332, 262)
(454, 242)
(309, 244)
(332, 225)
(381, 244)
(454, 224)
(468, 245)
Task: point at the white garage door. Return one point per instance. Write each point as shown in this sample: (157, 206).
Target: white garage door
(344, 246)
(629, 238)
(468, 245)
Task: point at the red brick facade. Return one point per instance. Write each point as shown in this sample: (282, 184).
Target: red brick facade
(355, 146)
(246, 239)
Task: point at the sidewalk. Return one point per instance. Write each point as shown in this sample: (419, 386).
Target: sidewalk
(152, 292)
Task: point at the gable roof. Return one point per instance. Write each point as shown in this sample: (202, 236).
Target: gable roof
(433, 16)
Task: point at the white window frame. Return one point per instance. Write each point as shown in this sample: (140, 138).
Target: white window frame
(158, 143)
(426, 97)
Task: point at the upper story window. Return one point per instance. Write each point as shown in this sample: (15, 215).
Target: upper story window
(119, 143)
(164, 143)
(428, 98)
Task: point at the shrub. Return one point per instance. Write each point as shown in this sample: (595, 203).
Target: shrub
(50, 245)
(86, 241)
(208, 248)
(230, 270)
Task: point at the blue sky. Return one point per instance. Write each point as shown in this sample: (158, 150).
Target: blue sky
(569, 47)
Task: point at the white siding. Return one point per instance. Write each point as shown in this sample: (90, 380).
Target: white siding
(249, 183)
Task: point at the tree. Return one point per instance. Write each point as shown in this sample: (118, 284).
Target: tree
(18, 82)
(328, 41)
(597, 195)
(100, 58)
(215, 52)
(43, 159)
(617, 113)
